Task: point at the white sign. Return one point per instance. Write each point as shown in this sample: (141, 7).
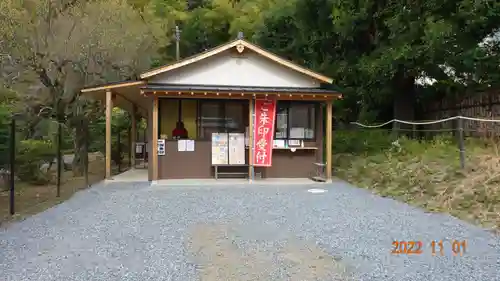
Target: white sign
(161, 147)
(189, 145)
(236, 149)
(181, 145)
(219, 149)
(138, 148)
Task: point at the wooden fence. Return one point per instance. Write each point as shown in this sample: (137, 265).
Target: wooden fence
(484, 105)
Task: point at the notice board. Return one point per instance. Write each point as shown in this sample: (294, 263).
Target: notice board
(220, 148)
(236, 149)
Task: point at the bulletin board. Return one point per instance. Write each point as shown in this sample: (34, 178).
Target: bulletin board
(228, 149)
(220, 149)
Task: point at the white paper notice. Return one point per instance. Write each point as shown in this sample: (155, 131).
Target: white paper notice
(189, 145)
(138, 148)
(236, 149)
(181, 145)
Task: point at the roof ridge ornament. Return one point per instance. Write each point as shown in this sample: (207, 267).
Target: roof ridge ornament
(240, 48)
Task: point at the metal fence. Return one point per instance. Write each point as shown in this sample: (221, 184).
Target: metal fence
(38, 172)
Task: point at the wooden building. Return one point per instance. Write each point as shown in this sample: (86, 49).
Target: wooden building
(216, 92)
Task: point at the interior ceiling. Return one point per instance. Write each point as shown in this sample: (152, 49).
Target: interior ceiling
(124, 98)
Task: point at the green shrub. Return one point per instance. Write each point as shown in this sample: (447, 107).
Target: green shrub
(31, 155)
(361, 141)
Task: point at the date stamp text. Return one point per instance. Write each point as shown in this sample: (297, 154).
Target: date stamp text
(436, 247)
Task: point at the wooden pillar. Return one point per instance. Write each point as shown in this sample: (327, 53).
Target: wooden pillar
(328, 141)
(250, 139)
(154, 139)
(109, 112)
(133, 136)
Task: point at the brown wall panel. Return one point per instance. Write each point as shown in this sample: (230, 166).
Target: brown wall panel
(186, 164)
(287, 164)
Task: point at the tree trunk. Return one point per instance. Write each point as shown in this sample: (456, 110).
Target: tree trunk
(79, 149)
(404, 101)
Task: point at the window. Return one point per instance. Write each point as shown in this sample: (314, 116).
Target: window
(281, 127)
(209, 119)
(234, 116)
(295, 120)
(173, 110)
(220, 117)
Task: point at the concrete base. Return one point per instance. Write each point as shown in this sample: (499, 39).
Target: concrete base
(274, 181)
(132, 175)
(141, 175)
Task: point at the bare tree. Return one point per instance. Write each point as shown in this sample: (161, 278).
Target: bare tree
(52, 48)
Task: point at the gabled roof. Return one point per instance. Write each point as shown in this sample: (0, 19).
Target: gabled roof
(240, 44)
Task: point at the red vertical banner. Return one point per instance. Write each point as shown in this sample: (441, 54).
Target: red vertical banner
(263, 132)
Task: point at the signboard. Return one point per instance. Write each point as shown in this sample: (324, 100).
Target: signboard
(265, 115)
(220, 149)
(138, 148)
(236, 149)
(161, 147)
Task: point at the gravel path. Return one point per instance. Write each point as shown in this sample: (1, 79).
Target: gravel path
(136, 232)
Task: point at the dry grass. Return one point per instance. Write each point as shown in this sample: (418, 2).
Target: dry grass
(32, 199)
(428, 174)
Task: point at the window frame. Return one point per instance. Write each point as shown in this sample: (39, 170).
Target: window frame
(222, 108)
(287, 105)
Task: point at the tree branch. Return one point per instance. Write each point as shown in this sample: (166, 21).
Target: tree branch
(44, 78)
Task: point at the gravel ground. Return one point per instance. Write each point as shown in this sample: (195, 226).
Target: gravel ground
(136, 232)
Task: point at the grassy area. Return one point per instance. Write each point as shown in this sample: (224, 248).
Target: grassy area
(32, 199)
(427, 173)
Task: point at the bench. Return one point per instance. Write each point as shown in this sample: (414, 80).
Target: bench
(218, 173)
(318, 173)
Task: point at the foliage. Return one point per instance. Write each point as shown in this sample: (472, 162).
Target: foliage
(30, 156)
(120, 123)
(428, 174)
(379, 54)
(120, 134)
(378, 51)
(67, 46)
(4, 135)
(7, 99)
(206, 24)
(54, 48)
(97, 132)
(361, 142)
